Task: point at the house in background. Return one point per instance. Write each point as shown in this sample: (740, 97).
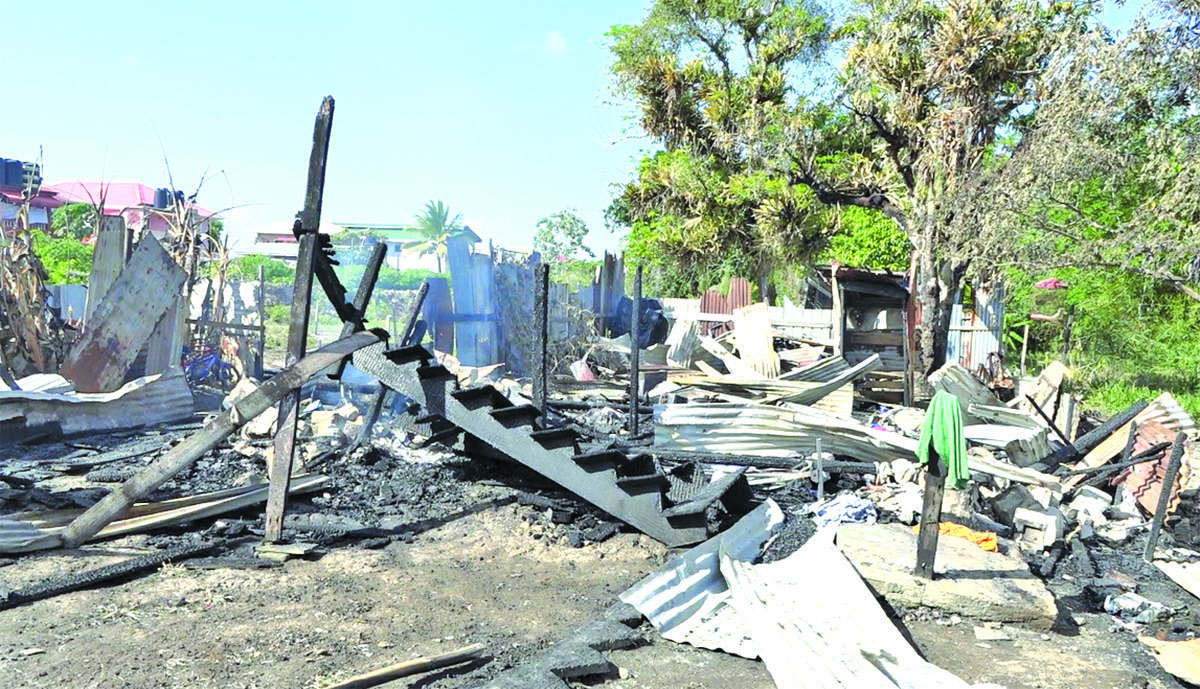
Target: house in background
(12, 183)
(397, 237)
(141, 206)
(274, 240)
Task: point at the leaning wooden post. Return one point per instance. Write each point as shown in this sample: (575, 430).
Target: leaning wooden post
(362, 297)
(541, 307)
(635, 334)
(307, 230)
(194, 446)
(931, 515)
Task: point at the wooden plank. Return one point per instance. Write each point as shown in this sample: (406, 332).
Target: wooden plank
(839, 312)
(123, 322)
(48, 527)
(108, 259)
(410, 667)
(931, 515)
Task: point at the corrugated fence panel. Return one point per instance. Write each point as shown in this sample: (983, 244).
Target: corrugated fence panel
(976, 334)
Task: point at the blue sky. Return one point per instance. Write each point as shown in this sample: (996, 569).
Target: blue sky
(501, 109)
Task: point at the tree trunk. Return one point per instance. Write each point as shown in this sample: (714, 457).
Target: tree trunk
(935, 291)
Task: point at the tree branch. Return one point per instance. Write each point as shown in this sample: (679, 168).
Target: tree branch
(866, 198)
(895, 141)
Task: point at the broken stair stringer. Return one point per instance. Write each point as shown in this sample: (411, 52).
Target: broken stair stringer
(630, 489)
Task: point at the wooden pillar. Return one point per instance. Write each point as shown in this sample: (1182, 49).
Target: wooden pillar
(261, 296)
(635, 351)
(839, 310)
(541, 309)
(931, 515)
(307, 224)
(363, 296)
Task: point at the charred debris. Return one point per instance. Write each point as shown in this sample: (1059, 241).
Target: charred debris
(743, 433)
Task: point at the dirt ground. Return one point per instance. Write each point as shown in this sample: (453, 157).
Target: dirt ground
(489, 578)
(458, 563)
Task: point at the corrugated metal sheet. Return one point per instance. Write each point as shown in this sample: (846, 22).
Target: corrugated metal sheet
(974, 334)
(687, 600)
(810, 616)
(817, 625)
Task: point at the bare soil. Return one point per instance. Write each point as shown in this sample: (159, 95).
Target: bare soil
(453, 567)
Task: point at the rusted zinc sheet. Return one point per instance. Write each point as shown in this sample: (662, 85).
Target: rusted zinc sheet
(125, 319)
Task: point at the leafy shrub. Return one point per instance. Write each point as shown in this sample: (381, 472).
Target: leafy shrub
(275, 272)
(67, 260)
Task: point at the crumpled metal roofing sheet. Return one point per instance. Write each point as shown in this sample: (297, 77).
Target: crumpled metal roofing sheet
(687, 600)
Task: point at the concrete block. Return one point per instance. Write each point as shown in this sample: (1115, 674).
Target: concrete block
(1039, 529)
(968, 580)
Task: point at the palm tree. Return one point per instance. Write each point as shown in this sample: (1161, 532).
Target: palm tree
(435, 225)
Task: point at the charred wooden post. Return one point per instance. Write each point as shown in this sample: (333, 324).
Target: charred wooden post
(414, 313)
(635, 334)
(931, 515)
(260, 293)
(1164, 496)
(306, 228)
(541, 306)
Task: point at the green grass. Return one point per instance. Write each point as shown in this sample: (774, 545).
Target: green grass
(1113, 396)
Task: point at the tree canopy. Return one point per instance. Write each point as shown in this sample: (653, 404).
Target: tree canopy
(562, 234)
(776, 119)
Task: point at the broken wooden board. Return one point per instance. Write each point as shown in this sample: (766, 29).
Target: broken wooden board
(736, 366)
(124, 320)
(1148, 433)
(752, 336)
(968, 580)
(24, 532)
(147, 401)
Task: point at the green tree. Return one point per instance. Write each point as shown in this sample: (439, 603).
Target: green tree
(436, 225)
(1108, 175)
(66, 259)
(737, 94)
(707, 78)
(274, 271)
(77, 220)
(561, 234)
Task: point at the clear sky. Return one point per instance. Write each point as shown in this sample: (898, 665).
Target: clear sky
(501, 109)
